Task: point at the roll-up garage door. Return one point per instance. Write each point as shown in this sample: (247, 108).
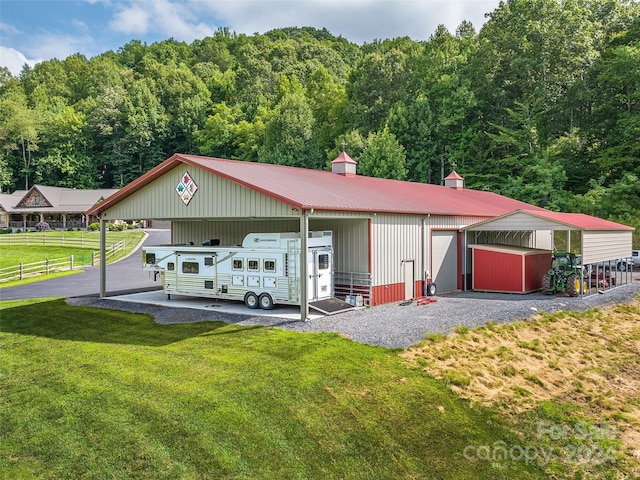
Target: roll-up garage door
(444, 259)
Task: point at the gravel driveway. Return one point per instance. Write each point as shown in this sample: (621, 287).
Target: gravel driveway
(394, 325)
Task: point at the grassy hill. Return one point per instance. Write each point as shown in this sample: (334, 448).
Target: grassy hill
(94, 393)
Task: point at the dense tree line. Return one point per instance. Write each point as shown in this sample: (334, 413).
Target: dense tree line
(542, 104)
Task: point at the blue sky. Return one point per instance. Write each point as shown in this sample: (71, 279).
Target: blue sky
(37, 30)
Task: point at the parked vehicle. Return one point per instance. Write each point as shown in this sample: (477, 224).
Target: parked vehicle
(565, 275)
(624, 264)
(262, 272)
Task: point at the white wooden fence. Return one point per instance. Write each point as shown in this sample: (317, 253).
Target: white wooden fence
(22, 270)
(52, 240)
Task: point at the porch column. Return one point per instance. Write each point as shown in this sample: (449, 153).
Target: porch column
(103, 258)
(64, 221)
(304, 276)
(24, 221)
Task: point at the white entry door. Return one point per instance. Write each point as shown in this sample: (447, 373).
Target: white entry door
(319, 271)
(409, 280)
(444, 259)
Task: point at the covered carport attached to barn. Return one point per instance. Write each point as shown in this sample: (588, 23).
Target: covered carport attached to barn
(600, 243)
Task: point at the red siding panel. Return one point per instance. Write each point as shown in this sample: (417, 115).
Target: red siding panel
(393, 292)
(494, 271)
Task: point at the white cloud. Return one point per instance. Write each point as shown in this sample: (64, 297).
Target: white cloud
(8, 29)
(56, 45)
(14, 60)
(131, 20)
(357, 20)
(170, 19)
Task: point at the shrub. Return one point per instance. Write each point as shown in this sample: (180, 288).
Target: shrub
(94, 226)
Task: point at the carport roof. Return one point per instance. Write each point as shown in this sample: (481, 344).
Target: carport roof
(574, 221)
(323, 190)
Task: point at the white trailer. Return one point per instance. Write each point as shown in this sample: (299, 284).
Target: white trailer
(262, 272)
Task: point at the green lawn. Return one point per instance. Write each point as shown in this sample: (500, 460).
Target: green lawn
(94, 393)
(11, 255)
(35, 251)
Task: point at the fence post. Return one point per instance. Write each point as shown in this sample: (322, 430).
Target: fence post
(71, 262)
(62, 242)
(44, 240)
(82, 240)
(46, 266)
(93, 259)
(26, 238)
(21, 271)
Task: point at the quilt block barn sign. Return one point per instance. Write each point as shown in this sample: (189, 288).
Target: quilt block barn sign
(186, 188)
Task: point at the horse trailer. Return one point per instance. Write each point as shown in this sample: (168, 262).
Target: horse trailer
(264, 271)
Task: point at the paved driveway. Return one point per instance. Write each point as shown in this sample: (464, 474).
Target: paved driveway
(127, 274)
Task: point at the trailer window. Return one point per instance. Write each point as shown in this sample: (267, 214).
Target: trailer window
(323, 261)
(208, 261)
(190, 267)
(254, 265)
(237, 264)
(150, 258)
(171, 266)
(269, 265)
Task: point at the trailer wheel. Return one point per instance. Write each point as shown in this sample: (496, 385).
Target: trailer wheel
(266, 302)
(251, 300)
(431, 289)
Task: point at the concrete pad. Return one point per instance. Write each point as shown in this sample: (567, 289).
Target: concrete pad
(158, 297)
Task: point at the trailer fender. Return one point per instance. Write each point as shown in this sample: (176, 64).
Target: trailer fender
(251, 300)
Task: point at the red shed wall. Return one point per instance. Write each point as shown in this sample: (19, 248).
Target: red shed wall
(535, 268)
(497, 271)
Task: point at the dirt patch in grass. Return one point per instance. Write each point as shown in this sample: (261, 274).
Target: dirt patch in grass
(589, 359)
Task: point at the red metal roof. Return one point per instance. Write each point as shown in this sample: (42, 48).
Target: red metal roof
(580, 220)
(323, 190)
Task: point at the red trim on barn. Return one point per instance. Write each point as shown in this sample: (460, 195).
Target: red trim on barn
(393, 292)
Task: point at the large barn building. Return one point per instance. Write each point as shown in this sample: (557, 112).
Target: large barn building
(391, 238)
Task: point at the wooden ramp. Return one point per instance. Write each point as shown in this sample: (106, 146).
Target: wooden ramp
(331, 306)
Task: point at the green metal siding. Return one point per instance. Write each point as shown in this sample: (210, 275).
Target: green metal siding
(215, 197)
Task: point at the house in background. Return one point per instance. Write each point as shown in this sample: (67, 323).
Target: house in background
(58, 206)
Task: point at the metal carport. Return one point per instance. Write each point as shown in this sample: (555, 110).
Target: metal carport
(600, 240)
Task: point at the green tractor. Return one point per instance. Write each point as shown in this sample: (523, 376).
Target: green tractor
(565, 275)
